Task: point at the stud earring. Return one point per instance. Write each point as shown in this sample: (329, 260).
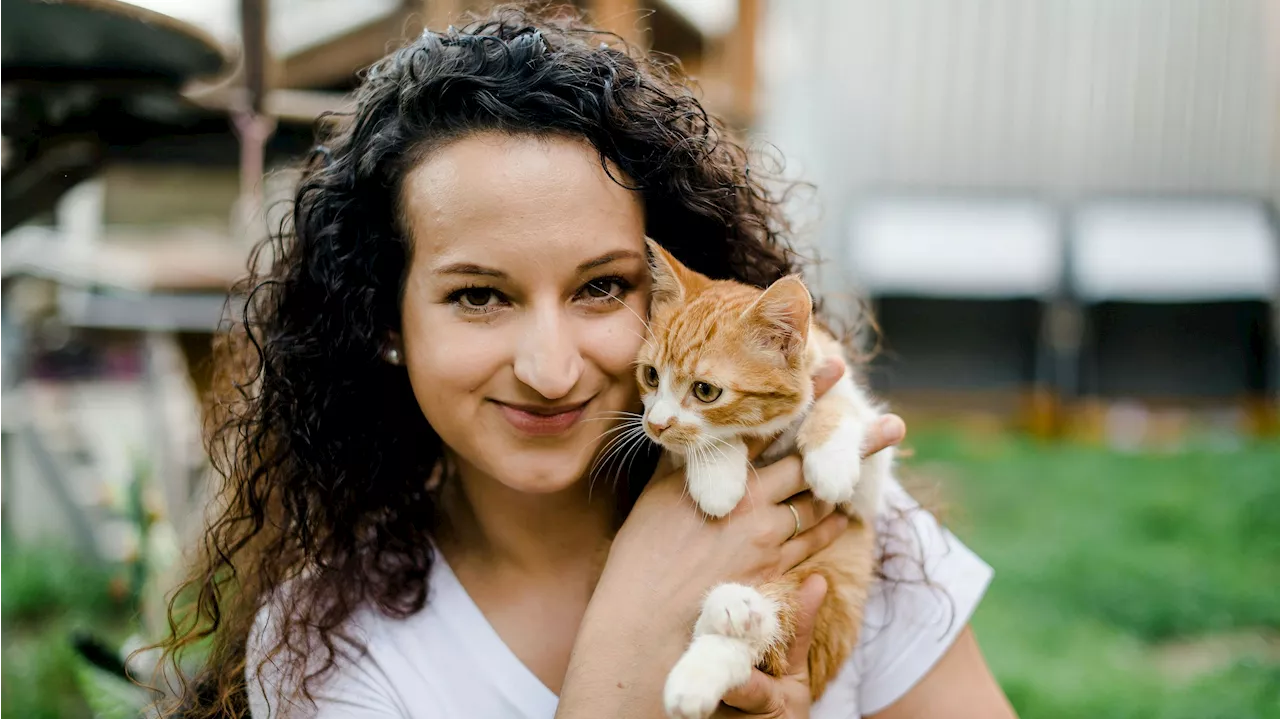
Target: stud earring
(392, 356)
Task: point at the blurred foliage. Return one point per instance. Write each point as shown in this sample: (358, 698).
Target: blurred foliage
(48, 593)
(1127, 585)
(41, 583)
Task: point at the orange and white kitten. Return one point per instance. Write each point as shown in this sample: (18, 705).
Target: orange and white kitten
(724, 362)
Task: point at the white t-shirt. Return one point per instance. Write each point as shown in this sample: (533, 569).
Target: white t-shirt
(447, 662)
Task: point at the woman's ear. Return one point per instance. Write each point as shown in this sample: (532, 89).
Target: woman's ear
(393, 350)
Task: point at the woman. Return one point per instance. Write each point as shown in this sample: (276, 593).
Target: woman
(416, 496)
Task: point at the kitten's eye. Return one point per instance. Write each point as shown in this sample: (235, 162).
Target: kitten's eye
(651, 376)
(706, 392)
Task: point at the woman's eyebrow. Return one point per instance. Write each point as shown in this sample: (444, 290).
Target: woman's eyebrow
(466, 268)
(609, 257)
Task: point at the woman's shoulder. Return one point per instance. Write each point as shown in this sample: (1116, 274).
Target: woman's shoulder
(377, 658)
(931, 585)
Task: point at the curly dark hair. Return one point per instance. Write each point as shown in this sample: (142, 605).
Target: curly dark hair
(322, 450)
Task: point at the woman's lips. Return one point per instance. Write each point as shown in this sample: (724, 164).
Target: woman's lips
(542, 421)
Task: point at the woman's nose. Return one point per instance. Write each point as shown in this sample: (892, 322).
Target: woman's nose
(548, 358)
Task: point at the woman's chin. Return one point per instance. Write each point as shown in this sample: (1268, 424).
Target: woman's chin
(541, 472)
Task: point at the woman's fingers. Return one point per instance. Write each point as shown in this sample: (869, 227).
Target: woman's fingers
(811, 593)
(888, 431)
(807, 543)
(760, 696)
(808, 512)
(781, 480)
(826, 377)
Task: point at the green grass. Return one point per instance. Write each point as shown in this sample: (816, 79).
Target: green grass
(1105, 561)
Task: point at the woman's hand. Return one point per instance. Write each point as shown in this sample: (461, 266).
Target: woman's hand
(665, 558)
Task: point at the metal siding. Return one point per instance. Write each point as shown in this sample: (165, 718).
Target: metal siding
(1060, 96)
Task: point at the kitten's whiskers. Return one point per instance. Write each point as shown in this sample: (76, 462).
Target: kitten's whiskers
(627, 432)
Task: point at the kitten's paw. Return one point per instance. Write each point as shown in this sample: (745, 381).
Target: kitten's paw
(687, 698)
(833, 469)
(718, 485)
(736, 610)
(709, 668)
(876, 474)
(718, 502)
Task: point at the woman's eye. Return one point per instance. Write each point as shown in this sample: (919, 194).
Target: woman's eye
(476, 298)
(604, 288)
(651, 376)
(706, 392)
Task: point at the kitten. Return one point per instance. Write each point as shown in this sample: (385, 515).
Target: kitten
(726, 361)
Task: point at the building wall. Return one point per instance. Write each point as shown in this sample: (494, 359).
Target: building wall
(1060, 97)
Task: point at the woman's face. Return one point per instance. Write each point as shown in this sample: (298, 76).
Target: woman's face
(522, 305)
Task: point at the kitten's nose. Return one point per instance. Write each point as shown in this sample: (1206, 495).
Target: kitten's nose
(658, 428)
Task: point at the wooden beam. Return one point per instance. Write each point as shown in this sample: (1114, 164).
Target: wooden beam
(622, 17)
(253, 34)
(304, 106)
(742, 61)
(287, 106)
(336, 62)
(252, 126)
(727, 71)
(438, 15)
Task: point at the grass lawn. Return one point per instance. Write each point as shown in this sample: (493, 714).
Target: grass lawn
(1127, 585)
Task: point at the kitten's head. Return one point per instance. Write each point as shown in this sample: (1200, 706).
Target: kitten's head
(723, 359)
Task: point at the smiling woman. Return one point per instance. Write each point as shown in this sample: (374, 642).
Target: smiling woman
(527, 253)
(435, 372)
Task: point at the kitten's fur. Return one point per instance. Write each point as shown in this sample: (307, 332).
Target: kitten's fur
(758, 349)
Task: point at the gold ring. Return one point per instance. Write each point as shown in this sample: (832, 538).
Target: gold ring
(795, 513)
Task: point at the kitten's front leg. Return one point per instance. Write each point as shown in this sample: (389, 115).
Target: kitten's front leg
(736, 626)
(876, 473)
(830, 440)
(717, 477)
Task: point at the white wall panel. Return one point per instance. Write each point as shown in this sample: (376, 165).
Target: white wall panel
(1062, 96)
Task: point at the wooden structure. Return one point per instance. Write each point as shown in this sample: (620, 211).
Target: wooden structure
(82, 82)
(80, 78)
(714, 41)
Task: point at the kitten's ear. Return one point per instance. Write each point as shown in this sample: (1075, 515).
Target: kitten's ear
(782, 315)
(672, 281)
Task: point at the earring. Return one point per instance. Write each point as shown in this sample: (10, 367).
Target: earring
(392, 356)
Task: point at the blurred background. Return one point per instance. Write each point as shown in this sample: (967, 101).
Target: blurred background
(1061, 213)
